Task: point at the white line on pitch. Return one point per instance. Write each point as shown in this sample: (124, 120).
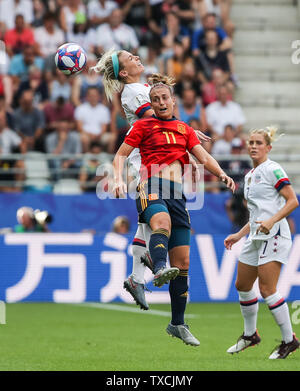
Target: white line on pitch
(124, 308)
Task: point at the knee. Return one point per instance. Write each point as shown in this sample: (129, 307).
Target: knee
(266, 290)
(181, 263)
(242, 286)
(161, 223)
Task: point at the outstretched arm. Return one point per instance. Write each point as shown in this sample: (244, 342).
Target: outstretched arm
(212, 165)
(118, 166)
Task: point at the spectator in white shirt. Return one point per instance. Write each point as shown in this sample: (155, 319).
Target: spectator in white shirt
(92, 119)
(68, 14)
(223, 112)
(116, 34)
(9, 9)
(99, 11)
(49, 36)
(224, 144)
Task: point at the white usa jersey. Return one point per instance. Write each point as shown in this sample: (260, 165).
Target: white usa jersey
(135, 101)
(261, 190)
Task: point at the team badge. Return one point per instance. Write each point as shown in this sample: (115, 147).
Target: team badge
(153, 197)
(257, 178)
(279, 173)
(181, 128)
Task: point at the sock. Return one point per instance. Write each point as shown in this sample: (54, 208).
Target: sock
(138, 268)
(280, 312)
(249, 309)
(158, 247)
(178, 290)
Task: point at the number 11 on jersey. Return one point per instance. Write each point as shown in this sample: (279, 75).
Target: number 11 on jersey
(168, 134)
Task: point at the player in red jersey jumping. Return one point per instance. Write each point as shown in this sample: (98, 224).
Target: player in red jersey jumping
(164, 142)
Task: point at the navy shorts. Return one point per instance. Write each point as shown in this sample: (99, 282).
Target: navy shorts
(160, 195)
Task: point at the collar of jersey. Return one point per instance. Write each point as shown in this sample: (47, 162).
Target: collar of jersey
(161, 119)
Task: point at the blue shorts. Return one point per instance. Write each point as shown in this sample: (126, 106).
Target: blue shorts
(160, 195)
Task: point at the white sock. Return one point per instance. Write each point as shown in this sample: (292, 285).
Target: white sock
(249, 309)
(138, 249)
(280, 312)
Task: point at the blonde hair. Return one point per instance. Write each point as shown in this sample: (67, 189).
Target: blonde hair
(158, 80)
(269, 134)
(105, 67)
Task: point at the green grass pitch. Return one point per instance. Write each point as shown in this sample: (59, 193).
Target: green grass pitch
(69, 337)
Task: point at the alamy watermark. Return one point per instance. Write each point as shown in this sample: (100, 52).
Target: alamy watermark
(295, 312)
(296, 54)
(2, 312)
(193, 189)
(3, 56)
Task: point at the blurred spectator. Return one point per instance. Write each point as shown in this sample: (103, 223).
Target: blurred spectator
(8, 112)
(6, 88)
(39, 10)
(223, 145)
(116, 34)
(88, 173)
(211, 58)
(99, 11)
(182, 8)
(237, 211)
(150, 60)
(37, 85)
(191, 107)
(92, 119)
(9, 9)
(81, 34)
(236, 168)
(68, 13)
(223, 112)
(85, 80)
(175, 64)
(174, 30)
(196, 124)
(49, 36)
(63, 141)
(209, 89)
(136, 14)
(198, 38)
(60, 86)
(188, 79)
(18, 37)
(28, 222)
(60, 110)
(20, 64)
(121, 225)
(10, 142)
(221, 8)
(29, 122)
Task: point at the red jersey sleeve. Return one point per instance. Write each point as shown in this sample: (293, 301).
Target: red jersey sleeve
(134, 135)
(192, 139)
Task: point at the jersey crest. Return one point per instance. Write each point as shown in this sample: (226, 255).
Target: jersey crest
(181, 128)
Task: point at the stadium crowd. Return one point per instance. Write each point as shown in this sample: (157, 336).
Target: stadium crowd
(43, 110)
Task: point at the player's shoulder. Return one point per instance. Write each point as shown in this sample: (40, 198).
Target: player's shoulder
(271, 166)
(132, 89)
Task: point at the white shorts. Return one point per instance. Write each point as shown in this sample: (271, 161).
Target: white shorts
(259, 252)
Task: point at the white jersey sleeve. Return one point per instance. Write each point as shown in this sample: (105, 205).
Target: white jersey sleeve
(261, 190)
(135, 101)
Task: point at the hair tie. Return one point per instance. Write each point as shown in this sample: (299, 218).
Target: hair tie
(115, 62)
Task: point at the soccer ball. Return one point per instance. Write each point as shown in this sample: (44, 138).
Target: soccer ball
(70, 58)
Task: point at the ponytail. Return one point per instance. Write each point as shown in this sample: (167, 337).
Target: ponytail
(106, 66)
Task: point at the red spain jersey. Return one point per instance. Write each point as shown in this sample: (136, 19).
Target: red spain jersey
(161, 142)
